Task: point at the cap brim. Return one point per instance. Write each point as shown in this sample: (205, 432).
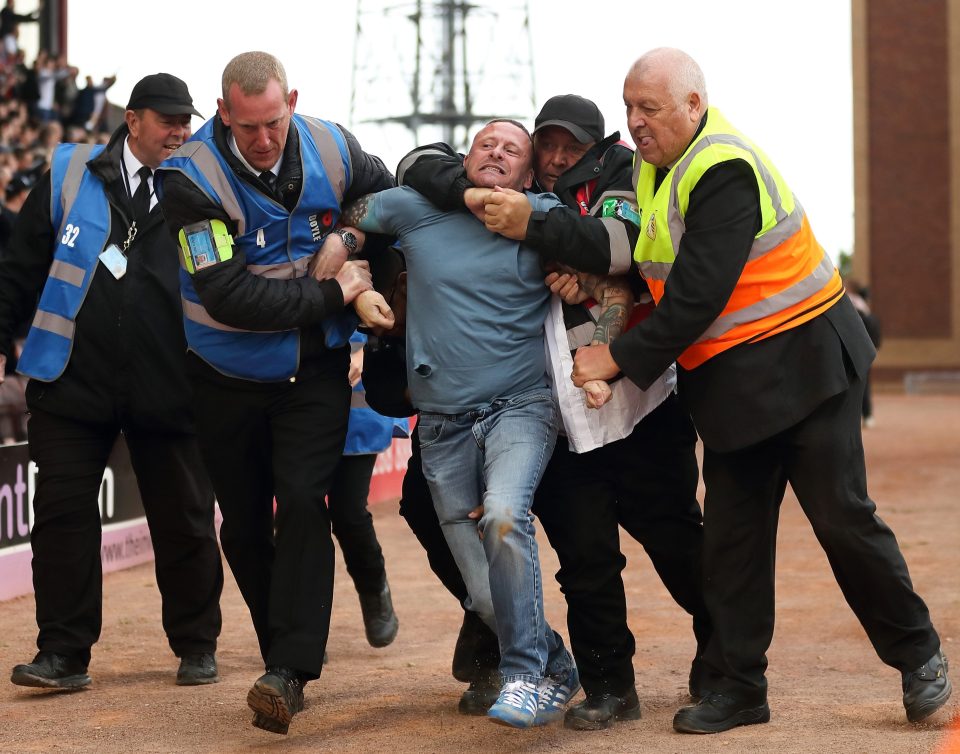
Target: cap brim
(175, 110)
(578, 133)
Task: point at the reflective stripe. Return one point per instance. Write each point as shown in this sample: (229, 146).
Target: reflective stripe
(196, 313)
(411, 158)
(621, 252)
(71, 181)
(581, 335)
(330, 156)
(358, 399)
(816, 281)
(282, 270)
(54, 323)
(635, 180)
(209, 167)
(68, 273)
(356, 345)
(656, 270)
(675, 218)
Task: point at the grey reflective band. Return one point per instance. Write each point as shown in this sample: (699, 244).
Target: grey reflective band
(355, 346)
(802, 290)
(282, 270)
(656, 270)
(358, 399)
(54, 323)
(779, 233)
(581, 335)
(68, 273)
(196, 313)
(330, 156)
(411, 158)
(621, 252)
(71, 182)
(209, 166)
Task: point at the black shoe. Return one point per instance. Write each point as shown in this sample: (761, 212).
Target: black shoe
(477, 652)
(275, 698)
(480, 695)
(599, 711)
(379, 620)
(718, 712)
(197, 669)
(52, 671)
(927, 688)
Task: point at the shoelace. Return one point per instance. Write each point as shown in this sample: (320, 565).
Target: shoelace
(519, 694)
(552, 693)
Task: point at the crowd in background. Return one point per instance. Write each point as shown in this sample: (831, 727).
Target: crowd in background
(41, 105)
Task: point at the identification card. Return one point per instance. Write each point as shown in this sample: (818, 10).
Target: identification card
(114, 260)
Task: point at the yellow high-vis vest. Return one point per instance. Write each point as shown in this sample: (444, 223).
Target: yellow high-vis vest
(788, 278)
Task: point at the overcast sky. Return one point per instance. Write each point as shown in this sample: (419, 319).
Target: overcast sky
(780, 71)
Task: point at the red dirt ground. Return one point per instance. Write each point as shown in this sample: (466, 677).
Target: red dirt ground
(828, 690)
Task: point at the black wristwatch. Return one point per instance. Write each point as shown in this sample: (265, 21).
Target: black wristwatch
(348, 238)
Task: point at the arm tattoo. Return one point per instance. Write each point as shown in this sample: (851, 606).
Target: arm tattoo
(359, 214)
(610, 324)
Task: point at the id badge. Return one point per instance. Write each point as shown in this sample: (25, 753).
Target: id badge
(114, 260)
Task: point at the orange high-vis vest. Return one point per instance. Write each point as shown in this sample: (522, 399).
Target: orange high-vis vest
(788, 278)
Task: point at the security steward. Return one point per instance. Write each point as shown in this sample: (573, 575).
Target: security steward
(772, 361)
(252, 197)
(105, 355)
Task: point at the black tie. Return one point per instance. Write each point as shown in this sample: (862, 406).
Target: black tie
(141, 197)
(269, 180)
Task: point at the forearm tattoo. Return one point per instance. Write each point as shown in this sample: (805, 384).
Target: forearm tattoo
(610, 324)
(356, 212)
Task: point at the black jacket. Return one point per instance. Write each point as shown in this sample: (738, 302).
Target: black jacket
(561, 235)
(127, 363)
(240, 299)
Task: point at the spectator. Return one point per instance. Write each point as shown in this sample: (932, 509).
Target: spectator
(9, 21)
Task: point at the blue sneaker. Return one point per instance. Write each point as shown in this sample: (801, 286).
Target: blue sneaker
(517, 704)
(554, 693)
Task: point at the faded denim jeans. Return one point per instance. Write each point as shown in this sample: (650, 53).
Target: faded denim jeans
(496, 456)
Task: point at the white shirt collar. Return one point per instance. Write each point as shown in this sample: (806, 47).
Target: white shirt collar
(132, 165)
(236, 150)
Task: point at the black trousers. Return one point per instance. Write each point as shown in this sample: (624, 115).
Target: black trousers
(353, 524)
(178, 500)
(647, 484)
(478, 651)
(262, 441)
(822, 459)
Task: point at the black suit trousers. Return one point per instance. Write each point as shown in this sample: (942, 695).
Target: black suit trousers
(646, 483)
(178, 500)
(821, 457)
(282, 440)
(353, 525)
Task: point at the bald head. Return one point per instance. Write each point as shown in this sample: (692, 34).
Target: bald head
(666, 96)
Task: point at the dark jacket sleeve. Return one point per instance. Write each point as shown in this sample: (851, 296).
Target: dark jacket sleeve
(437, 172)
(25, 263)
(721, 222)
(228, 292)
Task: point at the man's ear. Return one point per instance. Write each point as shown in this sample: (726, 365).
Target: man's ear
(292, 101)
(224, 113)
(528, 181)
(695, 107)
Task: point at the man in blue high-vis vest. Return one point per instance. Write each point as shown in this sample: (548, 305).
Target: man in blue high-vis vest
(105, 355)
(254, 196)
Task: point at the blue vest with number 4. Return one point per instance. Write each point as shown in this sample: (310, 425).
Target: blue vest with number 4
(80, 215)
(276, 243)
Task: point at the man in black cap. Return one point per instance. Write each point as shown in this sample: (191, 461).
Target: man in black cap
(639, 471)
(105, 355)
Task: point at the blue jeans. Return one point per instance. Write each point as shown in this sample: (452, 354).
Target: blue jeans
(495, 456)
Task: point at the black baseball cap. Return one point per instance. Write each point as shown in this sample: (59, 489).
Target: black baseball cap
(164, 93)
(578, 115)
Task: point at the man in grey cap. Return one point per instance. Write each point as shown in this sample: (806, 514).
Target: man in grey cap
(105, 356)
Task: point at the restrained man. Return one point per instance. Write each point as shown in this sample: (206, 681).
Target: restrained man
(642, 475)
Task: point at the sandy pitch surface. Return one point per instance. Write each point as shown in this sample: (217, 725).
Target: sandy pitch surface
(828, 690)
